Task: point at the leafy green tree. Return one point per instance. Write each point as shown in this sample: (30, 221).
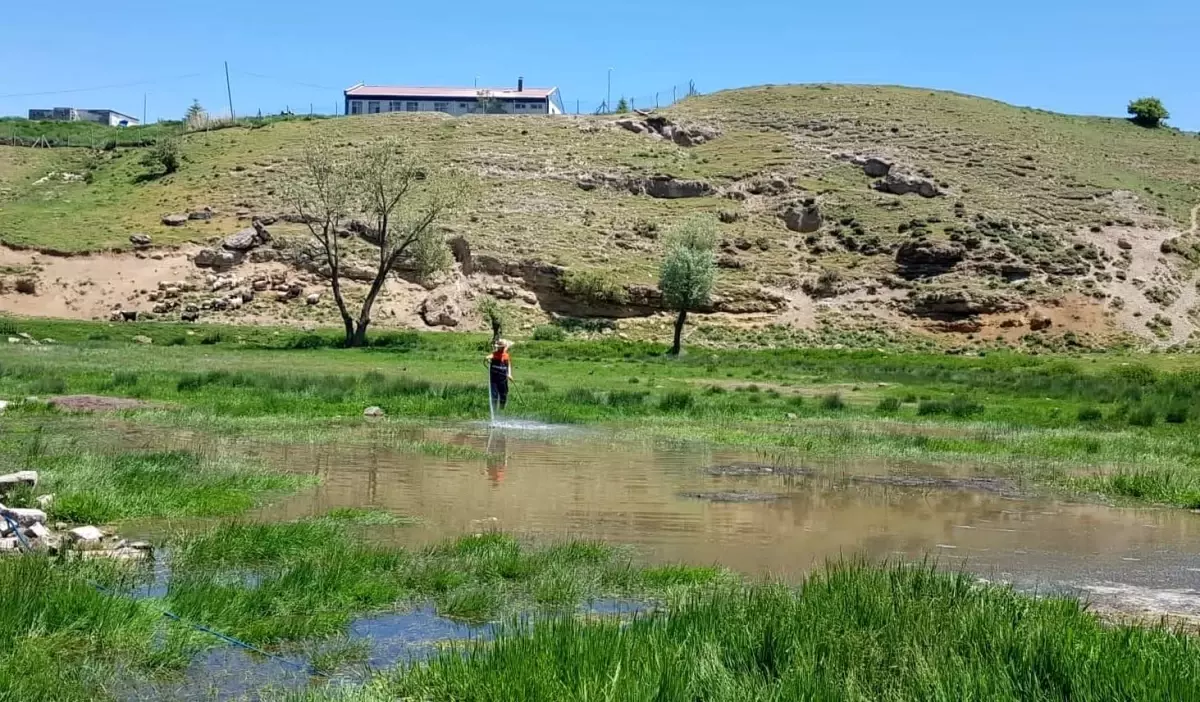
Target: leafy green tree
(1148, 112)
(622, 106)
(688, 271)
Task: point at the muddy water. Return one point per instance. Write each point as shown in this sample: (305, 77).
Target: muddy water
(658, 498)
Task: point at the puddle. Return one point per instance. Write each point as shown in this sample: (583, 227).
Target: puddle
(696, 504)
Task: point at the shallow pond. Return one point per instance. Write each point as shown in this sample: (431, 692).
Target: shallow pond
(695, 504)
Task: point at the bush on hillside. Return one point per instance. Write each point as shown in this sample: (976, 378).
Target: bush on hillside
(164, 155)
(549, 332)
(1148, 112)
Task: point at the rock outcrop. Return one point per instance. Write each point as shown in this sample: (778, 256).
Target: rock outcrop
(663, 128)
(440, 310)
(804, 219)
(906, 183)
(669, 188)
(958, 304)
(139, 240)
(921, 258)
(175, 220)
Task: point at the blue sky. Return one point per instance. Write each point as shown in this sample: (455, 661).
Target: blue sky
(1063, 55)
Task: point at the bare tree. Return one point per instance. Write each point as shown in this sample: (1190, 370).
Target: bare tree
(401, 199)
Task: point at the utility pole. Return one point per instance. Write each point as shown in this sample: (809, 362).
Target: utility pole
(608, 97)
(674, 97)
(577, 107)
(656, 101)
(143, 108)
(229, 92)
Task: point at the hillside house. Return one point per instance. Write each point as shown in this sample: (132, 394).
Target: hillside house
(374, 99)
(111, 118)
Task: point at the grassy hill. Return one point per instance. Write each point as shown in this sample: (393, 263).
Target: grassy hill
(1023, 190)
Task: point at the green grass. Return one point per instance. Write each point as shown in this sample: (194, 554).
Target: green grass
(95, 487)
(852, 632)
(60, 638)
(279, 582)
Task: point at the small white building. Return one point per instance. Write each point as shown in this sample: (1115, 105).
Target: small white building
(375, 99)
(111, 118)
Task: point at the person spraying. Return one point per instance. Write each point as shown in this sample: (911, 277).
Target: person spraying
(500, 373)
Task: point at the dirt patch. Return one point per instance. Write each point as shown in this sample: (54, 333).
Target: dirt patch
(736, 496)
(98, 403)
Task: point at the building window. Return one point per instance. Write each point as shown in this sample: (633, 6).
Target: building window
(441, 107)
(463, 105)
(373, 107)
(395, 106)
(356, 107)
(410, 107)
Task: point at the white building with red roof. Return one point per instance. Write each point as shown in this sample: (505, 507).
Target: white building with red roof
(376, 99)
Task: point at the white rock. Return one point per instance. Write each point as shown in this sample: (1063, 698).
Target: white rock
(373, 412)
(10, 544)
(86, 534)
(313, 298)
(23, 477)
(38, 531)
(44, 501)
(3, 406)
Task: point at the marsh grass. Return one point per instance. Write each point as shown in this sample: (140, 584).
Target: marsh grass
(59, 635)
(96, 488)
(278, 582)
(852, 631)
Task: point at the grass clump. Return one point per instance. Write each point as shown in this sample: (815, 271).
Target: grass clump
(677, 401)
(888, 405)
(1089, 414)
(833, 402)
(1171, 487)
(99, 488)
(549, 332)
(58, 633)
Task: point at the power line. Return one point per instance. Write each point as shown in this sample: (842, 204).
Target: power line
(285, 80)
(101, 87)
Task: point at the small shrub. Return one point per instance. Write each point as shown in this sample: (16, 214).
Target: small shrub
(594, 285)
(1176, 415)
(714, 390)
(48, 385)
(909, 399)
(308, 341)
(929, 408)
(212, 338)
(888, 405)
(549, 332)
(403, 340)
(961, 407)
(583, 396)
(676, 401)
(122, 379)
(163, 155)
(1143, 417)
(1089, 414)
(626, 398)
(832, 402)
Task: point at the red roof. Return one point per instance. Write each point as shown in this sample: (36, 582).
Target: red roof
(399, 91)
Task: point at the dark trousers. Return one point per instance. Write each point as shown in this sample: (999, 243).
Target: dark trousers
(500, 391)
